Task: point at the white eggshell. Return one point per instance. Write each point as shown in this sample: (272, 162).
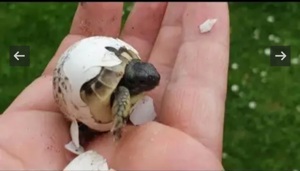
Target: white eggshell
(81, 62)
(143, 111)
(207, 25)
(74, 131)
(73, 149)
(89, 161)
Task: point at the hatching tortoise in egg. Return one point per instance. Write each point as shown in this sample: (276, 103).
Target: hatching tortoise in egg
(97, 81)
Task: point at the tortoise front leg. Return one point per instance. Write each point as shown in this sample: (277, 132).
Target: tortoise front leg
(120, 110)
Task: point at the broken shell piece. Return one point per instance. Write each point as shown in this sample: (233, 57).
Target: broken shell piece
(143, 111)
(74, 131)
(89, 161)
(72, 148)
(207, 25)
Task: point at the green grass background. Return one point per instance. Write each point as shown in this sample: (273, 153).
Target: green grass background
(263, 138)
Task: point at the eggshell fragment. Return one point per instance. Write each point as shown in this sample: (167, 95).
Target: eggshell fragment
(143, 111)
(89, 161)
(72, 148)
(207, 25)
(74, 131)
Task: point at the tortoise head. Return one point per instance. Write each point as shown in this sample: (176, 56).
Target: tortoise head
(140, 77)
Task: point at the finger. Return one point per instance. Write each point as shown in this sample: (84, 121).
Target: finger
(195, 97)
(40, 135)
(142, 26)
(37, 96)
(90, 19)
(154, 146)
(99, 18)
(165, 49)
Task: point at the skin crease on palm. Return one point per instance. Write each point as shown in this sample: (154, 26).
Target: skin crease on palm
(189, 101)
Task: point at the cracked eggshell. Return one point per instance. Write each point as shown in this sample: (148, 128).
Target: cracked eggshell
(89, 161)
(207, 25)
(83, 61)
(143, 111)
(78, 64)
(72, 148)
(74, 132)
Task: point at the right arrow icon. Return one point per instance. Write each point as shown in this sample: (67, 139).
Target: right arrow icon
(282, 55)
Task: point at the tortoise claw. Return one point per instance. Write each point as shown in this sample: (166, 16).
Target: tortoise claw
(117, 128)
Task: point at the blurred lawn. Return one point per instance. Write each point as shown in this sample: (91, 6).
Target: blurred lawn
(262, 115)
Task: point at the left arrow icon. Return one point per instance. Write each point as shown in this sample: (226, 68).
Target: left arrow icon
(17, 56)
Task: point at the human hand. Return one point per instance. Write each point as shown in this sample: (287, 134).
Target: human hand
(189, 101)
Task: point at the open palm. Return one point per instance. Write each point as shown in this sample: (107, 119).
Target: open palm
(189, 101)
